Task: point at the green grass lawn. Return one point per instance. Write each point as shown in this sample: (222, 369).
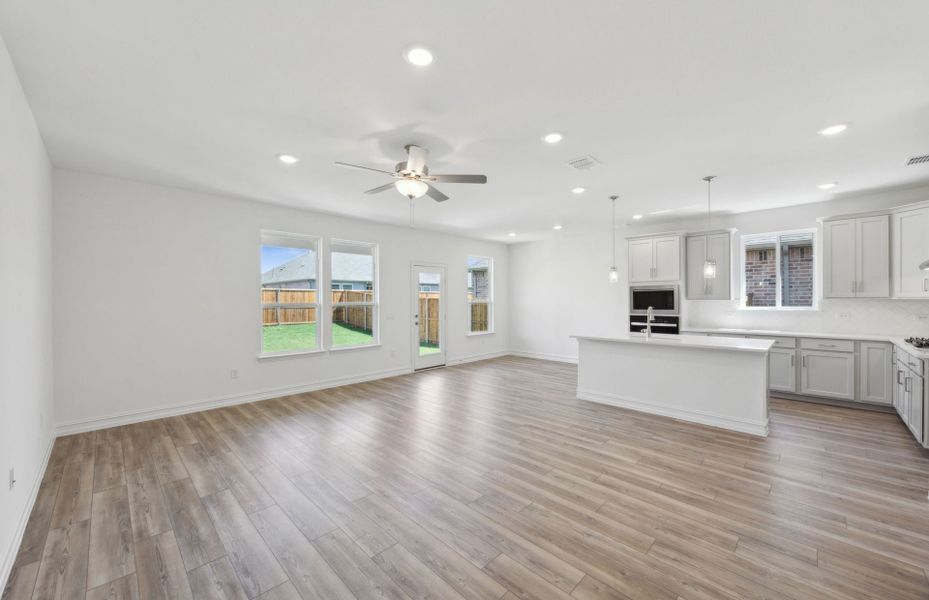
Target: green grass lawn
(302, 336)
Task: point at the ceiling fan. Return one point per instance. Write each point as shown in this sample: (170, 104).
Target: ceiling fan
(412, 178)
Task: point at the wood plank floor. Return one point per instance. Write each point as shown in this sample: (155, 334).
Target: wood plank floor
(483, 481)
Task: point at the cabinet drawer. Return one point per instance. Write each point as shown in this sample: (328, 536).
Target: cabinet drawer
(830, 345)
(784, 342)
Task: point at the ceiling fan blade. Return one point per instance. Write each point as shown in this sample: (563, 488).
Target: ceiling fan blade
(381, 188)
(342, 164)
(436, 194)
(416, 158)
(459, 178)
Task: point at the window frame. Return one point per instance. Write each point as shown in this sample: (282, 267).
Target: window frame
(490, 295)
(269, 237)
(374, 303)
(743, 296)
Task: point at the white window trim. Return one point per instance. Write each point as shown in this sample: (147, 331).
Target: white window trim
(489, 301)
(816, 280)
(375, 303)
(317, 248)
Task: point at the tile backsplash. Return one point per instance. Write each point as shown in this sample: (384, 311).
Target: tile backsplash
(850, 316)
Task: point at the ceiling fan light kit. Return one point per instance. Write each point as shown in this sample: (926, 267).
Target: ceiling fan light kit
(412, 176)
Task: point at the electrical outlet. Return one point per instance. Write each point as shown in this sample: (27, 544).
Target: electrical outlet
(922, 317)
(12, 478)
(844, 315)
(234, 374)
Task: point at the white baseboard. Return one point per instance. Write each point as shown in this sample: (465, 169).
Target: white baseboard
(545, 356)
(476, 357)
(694, 416)
(6, 567)
(137, 416)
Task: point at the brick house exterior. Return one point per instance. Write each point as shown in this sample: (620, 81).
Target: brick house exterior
(797, 273)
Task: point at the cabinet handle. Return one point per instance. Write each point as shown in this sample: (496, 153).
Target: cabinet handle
(803, 363)
(827, 345)
(926, 284)
(899, 375)
(792, 362)
(909, 382)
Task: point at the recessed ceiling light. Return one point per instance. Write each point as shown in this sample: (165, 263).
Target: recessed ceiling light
(636, 217)
(552, 138)
(827, 186)
(833, 129)
(512, 234)
(288, 159)
(418, 56)
(578, 190)
(556, 227)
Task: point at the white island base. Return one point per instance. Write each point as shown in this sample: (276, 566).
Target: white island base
(715, 381)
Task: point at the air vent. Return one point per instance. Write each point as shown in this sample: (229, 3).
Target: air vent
(918, 160)
(583, 163)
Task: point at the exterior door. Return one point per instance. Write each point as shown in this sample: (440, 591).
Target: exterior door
(428, 318)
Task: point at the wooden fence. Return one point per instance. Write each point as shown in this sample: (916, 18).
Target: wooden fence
(480, 320)
(359, 317)
(429, 318)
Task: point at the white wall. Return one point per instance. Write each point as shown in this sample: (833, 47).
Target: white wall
(158, 299)
(25, 309)
(559, 287)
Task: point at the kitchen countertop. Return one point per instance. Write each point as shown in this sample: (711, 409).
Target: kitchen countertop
(685, 341)
(895, 340)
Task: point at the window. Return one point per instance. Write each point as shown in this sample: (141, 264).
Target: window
(778, 270)
(289, 298)
(354, 299)
(480, 294)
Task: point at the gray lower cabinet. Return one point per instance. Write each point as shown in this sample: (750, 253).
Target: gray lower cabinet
(875, 379)
(782, 370)
(827, 374)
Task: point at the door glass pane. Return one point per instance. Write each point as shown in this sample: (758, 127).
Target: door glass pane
(430, 293)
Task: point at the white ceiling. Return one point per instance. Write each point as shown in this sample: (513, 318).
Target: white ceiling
(204, 94)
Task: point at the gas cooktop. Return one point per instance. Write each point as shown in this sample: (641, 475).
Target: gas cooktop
(918, 342)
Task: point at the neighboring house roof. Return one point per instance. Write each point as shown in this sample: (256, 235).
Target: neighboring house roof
(345, 267)
(429, 279)
(475, 262)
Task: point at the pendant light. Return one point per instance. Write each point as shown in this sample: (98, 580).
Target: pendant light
(614, 274)
(709, 265)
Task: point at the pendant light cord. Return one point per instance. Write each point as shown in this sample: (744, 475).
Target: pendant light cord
(709, 182)
(613, 229)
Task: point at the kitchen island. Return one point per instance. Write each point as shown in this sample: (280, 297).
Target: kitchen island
(716, 381)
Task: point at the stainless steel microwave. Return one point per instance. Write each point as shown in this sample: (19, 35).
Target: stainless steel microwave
(664, 299)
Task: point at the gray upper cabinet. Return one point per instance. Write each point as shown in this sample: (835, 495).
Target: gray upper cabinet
(654, 259)
(715, 246)
(856, 257)
(910, 248)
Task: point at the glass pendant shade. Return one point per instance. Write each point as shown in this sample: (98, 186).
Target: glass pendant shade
(614, 275)
(924, 266)
(709, 269)
(411, 188)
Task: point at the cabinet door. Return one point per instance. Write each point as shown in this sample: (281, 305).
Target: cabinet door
(668, 258)
(718, 249)
(641, 260)
(839, 271)
(910, 248)
(782, 370)
(875, 372)
(872, 248)
(899, 373)
(696, 251)
(916, 406)
(827, 374)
